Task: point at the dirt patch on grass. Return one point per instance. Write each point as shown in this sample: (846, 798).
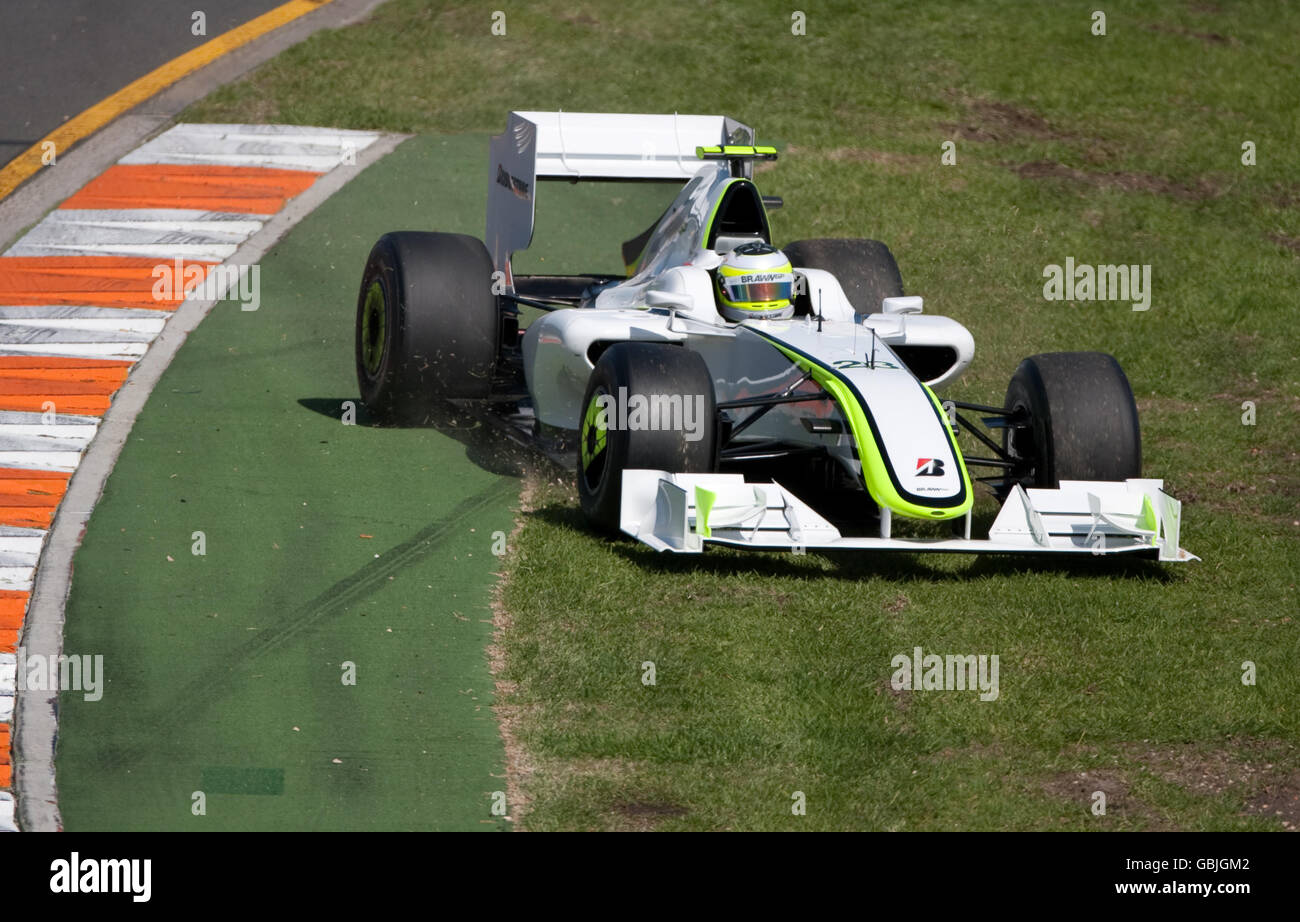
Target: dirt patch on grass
(646, 815)
(1279, 799)
(973, 751)
(1081, 787)
(901, 701)
(1283, 196)
(988, 120)
(898, 603)
(1123, 180)
(1291, 243)
(1265, 774)
(1209, 38)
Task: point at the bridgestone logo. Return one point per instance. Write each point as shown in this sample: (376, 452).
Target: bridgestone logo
(929, 467)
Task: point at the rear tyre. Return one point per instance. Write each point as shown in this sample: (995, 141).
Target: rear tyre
(427, 324)
(866, 270)
(1084, 419)
(645, 370)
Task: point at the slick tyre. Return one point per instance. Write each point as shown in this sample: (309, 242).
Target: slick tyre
(866, 270)
(608, 447)
(427, 324)
(1084, 421)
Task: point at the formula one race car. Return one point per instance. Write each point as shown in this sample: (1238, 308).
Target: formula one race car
(724, 390)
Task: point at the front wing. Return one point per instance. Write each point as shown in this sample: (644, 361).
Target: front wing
(683, 512)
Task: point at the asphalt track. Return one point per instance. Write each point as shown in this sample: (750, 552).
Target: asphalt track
(59, 57)
(326, 544)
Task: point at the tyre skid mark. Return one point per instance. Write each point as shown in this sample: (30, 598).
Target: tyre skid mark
(207, 690)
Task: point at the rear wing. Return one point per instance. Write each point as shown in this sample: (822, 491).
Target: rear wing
(586, 145)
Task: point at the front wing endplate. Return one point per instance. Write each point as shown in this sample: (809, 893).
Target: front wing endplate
(684, 512)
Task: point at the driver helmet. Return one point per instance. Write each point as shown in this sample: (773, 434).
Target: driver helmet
(755, 282)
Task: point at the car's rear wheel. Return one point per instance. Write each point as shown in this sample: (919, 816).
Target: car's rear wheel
(427, 324)
(865, 269)
(611, 441)
(1083, 419)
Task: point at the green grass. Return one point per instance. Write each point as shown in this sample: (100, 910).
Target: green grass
(772, 672)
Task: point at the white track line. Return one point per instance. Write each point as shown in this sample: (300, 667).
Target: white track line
(16, 531)
(160, 233)
(283, 147)
(197, 252)
(22, 546)
(128, 351)
(29, 332)
(150, 326)
(25, 418)
(20, 560)
(45, 438)
(7, 813)
(41, 460)
(74, 312)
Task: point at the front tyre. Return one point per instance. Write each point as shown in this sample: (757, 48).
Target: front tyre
(1084, 421)
(672, 378)
(427, 324)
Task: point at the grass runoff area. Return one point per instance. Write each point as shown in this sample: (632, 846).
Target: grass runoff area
(772, 672)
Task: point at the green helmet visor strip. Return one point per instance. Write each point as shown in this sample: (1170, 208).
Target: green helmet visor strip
(756, 289)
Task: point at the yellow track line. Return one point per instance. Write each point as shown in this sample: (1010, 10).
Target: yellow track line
(97, 116)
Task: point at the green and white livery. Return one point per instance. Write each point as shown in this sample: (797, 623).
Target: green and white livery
(732, 389)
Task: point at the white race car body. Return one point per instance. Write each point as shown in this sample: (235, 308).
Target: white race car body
(868, 378)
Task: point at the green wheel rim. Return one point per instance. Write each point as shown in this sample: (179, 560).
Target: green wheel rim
(374, 328)
(593, 436)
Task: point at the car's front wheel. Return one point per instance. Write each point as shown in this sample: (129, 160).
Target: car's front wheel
(1083, 421)
(647, 405)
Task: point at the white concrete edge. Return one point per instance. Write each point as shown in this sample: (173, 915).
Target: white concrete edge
(35, 729)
